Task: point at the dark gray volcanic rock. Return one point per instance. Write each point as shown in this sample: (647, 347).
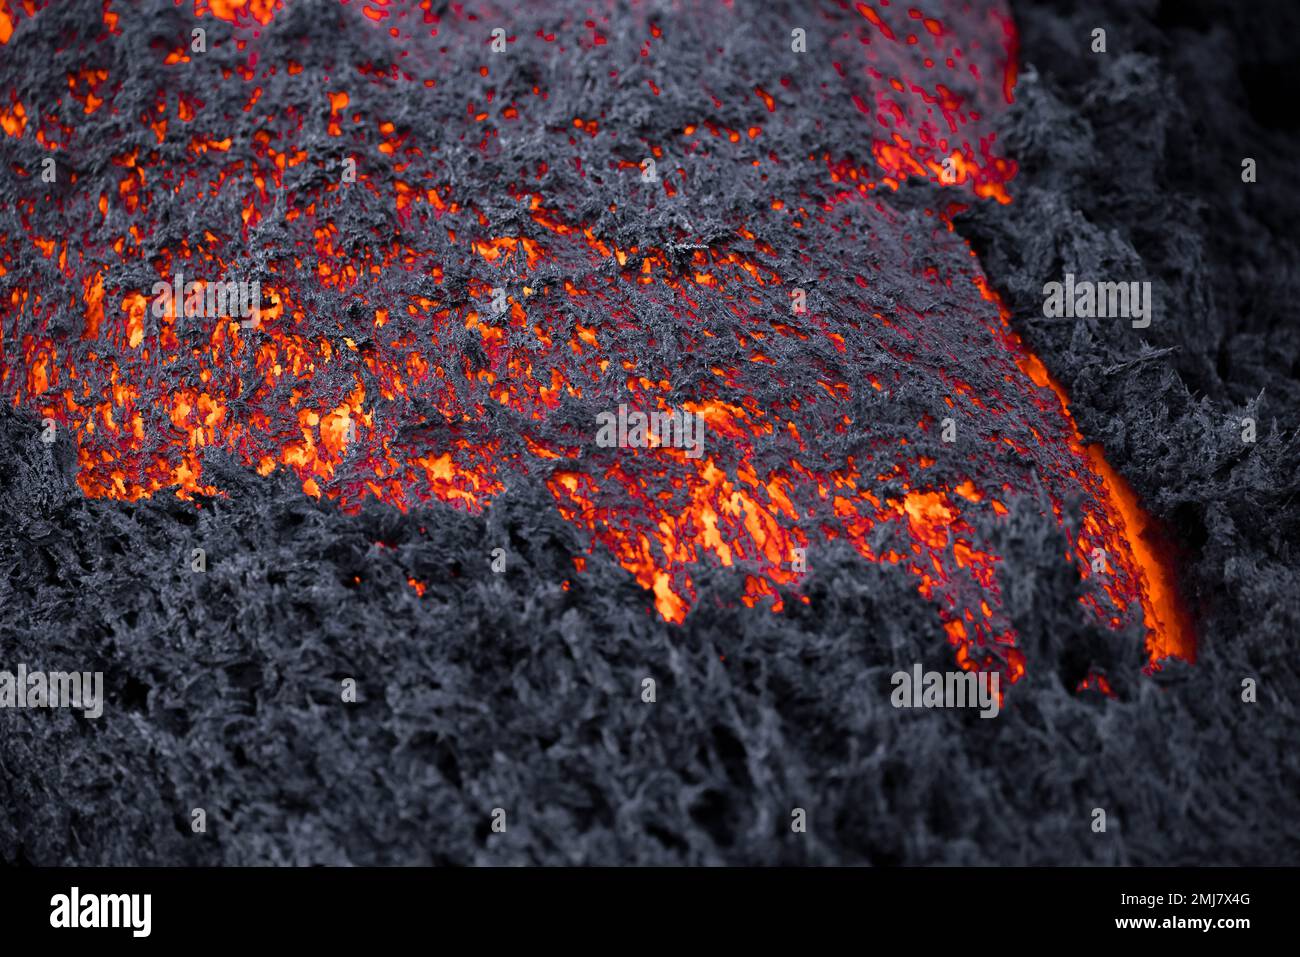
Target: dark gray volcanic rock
(511, 691)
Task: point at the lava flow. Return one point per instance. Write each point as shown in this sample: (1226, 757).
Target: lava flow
(673, 218)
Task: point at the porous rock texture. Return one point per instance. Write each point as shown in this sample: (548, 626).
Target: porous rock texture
(515, 691)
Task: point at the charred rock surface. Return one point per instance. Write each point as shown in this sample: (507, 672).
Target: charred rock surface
(522, 690)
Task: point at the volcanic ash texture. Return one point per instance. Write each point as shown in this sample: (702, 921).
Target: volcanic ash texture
(349, 462)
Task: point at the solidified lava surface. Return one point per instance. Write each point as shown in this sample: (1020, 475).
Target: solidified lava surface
(474, 229)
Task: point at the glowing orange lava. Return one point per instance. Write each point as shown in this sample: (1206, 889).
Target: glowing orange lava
(377, 365)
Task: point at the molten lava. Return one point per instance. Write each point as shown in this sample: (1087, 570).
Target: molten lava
(637, 264)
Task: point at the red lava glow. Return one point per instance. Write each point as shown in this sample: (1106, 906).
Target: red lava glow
(373, 407)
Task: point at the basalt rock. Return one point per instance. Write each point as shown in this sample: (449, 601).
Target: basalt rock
(358, 572)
